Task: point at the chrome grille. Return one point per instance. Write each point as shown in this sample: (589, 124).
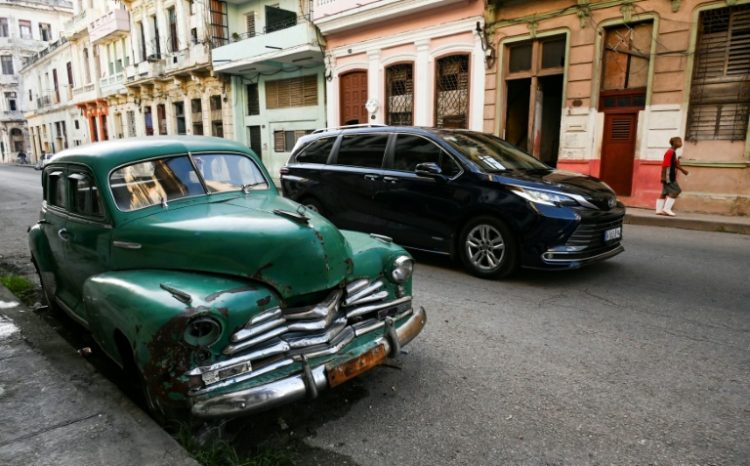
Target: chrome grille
(324, 328)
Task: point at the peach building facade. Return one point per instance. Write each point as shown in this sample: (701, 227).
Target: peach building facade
(600, 88)
(412, 62)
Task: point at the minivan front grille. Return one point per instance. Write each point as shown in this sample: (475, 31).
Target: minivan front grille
(591, 235)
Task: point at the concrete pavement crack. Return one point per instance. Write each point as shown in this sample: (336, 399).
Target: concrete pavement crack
(595, 296)
(48, 429)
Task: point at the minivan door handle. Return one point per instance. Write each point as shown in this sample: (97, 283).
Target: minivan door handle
(390, 179)
(370, 177)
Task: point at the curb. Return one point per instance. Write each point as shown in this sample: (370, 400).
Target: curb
(58, 409)
(740, 225)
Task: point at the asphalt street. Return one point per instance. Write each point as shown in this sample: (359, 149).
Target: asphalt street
(644, 359)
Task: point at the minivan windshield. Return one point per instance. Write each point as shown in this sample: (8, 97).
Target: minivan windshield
(491, 153)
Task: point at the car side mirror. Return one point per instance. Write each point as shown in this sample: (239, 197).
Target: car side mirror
(429, 170)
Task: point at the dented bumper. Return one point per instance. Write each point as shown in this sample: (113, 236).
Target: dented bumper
(310, 380)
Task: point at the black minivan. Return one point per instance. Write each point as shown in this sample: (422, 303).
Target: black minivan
(467, 194)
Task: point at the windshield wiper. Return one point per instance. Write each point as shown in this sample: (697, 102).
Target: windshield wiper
(246, 187)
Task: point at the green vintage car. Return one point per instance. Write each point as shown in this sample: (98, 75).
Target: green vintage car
(219, 295)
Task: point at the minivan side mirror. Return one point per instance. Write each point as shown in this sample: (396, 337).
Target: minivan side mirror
(429, 169)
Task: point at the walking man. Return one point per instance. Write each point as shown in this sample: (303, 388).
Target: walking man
(670, 190)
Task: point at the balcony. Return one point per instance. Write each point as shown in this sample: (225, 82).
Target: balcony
(333, 16)
(296, 46)
(112, 25)
(194, 56)
(112, 84)
(76, 26)
(145, 70)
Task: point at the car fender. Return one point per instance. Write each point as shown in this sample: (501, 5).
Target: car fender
(39, 248)
(152, 309)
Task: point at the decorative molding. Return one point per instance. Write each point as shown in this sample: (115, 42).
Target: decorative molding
(533, 26)
(583, 12)
(676, 5)
(627, 11)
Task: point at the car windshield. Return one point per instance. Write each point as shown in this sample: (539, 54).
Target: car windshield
(159, 181)
(491, 153)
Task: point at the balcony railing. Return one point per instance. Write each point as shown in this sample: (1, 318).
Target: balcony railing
(115, 23)
(247, 49)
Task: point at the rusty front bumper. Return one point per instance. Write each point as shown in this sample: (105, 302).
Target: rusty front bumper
(306, 384)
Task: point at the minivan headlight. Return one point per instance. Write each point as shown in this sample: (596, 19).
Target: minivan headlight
(403, 267)
(544, 197)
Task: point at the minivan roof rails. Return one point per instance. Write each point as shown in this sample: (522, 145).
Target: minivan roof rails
(365, 125)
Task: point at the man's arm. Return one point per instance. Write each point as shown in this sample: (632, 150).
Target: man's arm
(679, 167)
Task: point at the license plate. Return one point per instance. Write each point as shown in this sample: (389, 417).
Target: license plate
(613, 234)
(352, 368)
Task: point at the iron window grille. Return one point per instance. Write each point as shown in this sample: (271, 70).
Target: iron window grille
(400, 94)
(452, 92)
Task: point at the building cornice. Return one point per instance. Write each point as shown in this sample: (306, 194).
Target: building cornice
(421, 36)
(367, 15)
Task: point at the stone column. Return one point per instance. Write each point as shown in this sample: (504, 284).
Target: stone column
(476, 99)
(373, 85)
(422, 84)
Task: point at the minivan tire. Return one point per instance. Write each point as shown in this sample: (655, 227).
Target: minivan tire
(488, 248)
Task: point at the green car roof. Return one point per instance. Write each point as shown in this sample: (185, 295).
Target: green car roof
(103, 156)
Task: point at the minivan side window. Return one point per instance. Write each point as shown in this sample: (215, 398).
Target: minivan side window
(317, 151)
(56, 189)
(362, 150)
(86, 200)
(410, 151)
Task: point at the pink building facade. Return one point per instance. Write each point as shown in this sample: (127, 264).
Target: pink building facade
(411, 62)
(600, 88)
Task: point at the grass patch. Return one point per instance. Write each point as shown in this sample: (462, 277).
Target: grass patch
(218, 452)
(20, 286)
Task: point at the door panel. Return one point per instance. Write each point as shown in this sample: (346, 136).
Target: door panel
(618, 151)
(353, 98)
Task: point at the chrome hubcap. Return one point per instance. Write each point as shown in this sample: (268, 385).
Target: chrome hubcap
(485, 247)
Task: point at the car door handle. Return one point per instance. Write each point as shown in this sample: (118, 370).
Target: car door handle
(63, 234)
(372, 177)
(390, 179)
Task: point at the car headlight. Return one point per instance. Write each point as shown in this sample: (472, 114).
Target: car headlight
(544, 197)
(202, 331)
(403, 267)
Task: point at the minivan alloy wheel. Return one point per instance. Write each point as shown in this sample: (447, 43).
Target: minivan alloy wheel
(485, 247)
(488, 248)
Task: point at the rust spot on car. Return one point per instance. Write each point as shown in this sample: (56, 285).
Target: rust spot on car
(319, 235)
(241, 289)
(264, 301)
(170, 357)
(349, 265)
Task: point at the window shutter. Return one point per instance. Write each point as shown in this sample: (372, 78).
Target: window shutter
(278, 141)
(720, 90)
(293, 92)
(251, 24)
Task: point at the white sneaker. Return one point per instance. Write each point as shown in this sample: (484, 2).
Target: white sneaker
(668, 212)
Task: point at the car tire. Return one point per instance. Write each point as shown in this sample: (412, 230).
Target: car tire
(314, 205)
(488, 248)
(137, 382)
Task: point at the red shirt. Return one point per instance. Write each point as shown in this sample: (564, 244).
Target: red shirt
(670, 160)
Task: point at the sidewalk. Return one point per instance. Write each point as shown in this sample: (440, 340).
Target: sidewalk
(688, 221)
(57, 410)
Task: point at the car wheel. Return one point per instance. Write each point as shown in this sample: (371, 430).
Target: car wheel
(138, 382)
(314, 205)
(488, 249)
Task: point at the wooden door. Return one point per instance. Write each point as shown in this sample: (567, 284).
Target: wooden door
(618, 151)
(353, 88)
